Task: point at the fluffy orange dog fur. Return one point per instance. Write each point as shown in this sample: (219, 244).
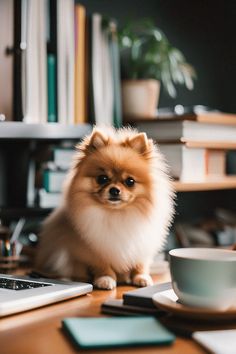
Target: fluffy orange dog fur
(117, 207)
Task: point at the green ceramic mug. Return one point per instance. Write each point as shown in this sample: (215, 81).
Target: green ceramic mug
(204, 277)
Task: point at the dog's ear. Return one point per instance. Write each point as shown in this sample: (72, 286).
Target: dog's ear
(91, 143)
(97, 140)
(139, 142)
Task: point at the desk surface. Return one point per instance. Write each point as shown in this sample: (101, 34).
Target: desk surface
(40, 332)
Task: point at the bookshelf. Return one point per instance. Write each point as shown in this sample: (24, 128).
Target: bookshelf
(18, 140)
(18, 144)
(228, 182)
(222, 145)
(50, 131)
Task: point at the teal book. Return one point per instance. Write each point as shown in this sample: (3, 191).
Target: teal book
(115, 332)
(51, 64)
(53, 180)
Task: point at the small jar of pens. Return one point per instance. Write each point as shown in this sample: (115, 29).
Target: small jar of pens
(9, 250)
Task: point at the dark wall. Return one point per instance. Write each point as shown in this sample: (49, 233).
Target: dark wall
(204, 30)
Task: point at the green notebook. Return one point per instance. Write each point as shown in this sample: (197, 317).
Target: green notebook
(117, 332)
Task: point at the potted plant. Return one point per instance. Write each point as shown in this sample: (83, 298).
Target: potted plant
(148, 59)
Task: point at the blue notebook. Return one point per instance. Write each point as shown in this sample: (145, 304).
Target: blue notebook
(117, 332)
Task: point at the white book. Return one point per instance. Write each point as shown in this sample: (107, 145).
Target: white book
(63, 158)
(194, 164)
(31, 183)
(184, 130)
(96, 68)
(107, 80)
(49, 200)
(65, 61)
(101, 74)
(53, 180)
(34, 70)
(187, 164)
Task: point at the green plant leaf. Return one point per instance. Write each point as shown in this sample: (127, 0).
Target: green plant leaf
(146, 53)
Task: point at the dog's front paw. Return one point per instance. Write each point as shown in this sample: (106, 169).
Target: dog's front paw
(105, 282)
(142, 280)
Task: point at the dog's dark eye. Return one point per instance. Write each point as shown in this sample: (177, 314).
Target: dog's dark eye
(102, 179)
(129, 182)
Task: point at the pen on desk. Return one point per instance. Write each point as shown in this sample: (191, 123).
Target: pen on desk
(16, 247)
(16, 233)
(9, 245)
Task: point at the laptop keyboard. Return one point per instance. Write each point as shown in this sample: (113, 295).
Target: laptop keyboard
(13, 284)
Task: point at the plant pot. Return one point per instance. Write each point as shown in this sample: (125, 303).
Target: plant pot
(140, 98)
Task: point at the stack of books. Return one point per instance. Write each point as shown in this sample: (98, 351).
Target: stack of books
(195, 145)
(54, 175)
(67, 66)
(136, 302)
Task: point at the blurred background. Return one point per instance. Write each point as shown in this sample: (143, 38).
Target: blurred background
(60, 65)
(203, 30)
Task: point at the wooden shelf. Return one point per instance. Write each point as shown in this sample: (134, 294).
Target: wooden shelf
(215, 145)
(47, 131)
(228, 182)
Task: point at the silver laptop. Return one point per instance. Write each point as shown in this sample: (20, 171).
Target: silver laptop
(21, 293)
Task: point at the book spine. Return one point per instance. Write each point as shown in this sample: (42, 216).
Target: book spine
(101, 72)
(80, 21)
(89, 62)
(49, 200)
(63, 158)
(6, 59)
(51, 65)
(115, 63)
(17, 63)
(215, 162)
(53, 181)
(35, 110)
(52, 50)
(65, 61)
(143, 297)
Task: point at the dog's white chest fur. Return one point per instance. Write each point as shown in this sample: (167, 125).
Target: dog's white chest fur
(121, 239)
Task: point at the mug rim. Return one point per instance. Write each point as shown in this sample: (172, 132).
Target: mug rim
(204, 254)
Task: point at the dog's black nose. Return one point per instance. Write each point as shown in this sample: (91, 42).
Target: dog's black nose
(114, 192)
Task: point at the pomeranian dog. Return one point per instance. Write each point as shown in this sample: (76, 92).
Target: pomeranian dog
(117, 207)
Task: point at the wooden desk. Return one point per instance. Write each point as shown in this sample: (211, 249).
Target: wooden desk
(40, 332)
